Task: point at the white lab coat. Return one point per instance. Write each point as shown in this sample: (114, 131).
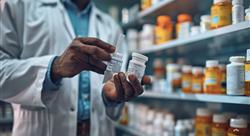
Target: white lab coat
(32, 32)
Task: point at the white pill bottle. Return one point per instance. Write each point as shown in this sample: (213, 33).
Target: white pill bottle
(137, 65)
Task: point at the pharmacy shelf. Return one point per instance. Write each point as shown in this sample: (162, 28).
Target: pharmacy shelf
(129, 130)
(6, 121)
(225, 34)
(198, 97)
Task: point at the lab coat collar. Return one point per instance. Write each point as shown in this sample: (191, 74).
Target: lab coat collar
(49, 1)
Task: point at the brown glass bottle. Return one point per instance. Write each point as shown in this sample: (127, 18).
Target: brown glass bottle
(247, 74)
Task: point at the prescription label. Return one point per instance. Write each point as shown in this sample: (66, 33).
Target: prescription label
(211, 78)
(137, 70)
(235, 80)
(247, 72)
(203, 129)
(218, 132)
(186, 82)
(221, 16)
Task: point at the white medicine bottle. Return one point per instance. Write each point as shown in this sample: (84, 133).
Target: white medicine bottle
(237, 11)
(137, 65)
(236, 76)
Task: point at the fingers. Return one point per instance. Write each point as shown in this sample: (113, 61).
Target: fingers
(128, 89)
(99, 43)
(135, 84)
(146, 80)
(119, 88)
(97, 63)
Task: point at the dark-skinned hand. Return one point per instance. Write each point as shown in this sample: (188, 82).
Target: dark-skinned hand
(119, 89)
(82, 54)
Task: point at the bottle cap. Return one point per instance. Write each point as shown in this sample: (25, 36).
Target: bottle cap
(140, 57)
(237, 59)
(212, 63)
(219, 1)
(203, 112)
(163, 20)
(206, 18)
(237, 2)
(196, 70)
(186, 69)
(248, 51)
(219, 118)
(184, 18)
(238, 123)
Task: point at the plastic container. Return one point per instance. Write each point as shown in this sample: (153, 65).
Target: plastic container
(203, 122)
(221, 12)
(186, 79)
(247, 74)
(205, 24)
(238, 127)
(137, 65)
(183, 26)
(195, 30)
(237, 11)
(173, 77)
(159, 69)
(220, 125)
(212, 78)
(197, 80)
(163, 30)
(223, 78)
(180, 129)
(247, 11)
(235, 76)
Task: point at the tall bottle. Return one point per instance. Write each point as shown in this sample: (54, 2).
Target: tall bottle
(247, 74)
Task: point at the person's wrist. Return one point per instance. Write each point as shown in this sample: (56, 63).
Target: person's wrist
(55, 73)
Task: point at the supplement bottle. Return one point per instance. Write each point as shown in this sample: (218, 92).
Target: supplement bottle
(221, 12)
(180, 129)
(247, 17)
(235, 76)
(197, 79)
(237, 11)
(205, 23)
(163, 30)
(173, 77)
(186, 79)
(223, 78)
(203, 122)
(220, 125)
(212, 78)
(238, 127)
(183, 26)
(137, 65)
(247, 74)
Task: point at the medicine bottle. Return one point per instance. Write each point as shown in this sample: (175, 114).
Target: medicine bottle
(124, 119)
(212, 78)
(163, 30)
(221, 12)
(137, 65)
(186, 79)
(247, 74)
(159, 69)
(220, 125)
(146, 36)
(197, 79)
(235, 76)
(183, 26)
(223, 78)
(145, 4)
(173, 77)
(205, 23)
(203, 122)
(237, 11)
(247, 17)
(238, 127)
(180, 129)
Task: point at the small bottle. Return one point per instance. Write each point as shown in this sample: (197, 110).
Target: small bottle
(124, 119)
(220, 125)
(223, 78)
(203, 122)
(186, 79)
(163, 30)
(173, 77)
(180, 129)
(238, 127)
(212, 78)
(221, 13)
(195, 30)
(145, 4)
(159, 69)
(247, 74)
(247, 17)
(183, 26)
(205, 23)
(137, 65)
(197, 80)
(237, 11)
(235, 76)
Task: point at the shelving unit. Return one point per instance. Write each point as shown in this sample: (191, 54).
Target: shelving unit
(129, 130)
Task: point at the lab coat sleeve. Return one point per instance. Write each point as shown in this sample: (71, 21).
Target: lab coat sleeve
(21, 80)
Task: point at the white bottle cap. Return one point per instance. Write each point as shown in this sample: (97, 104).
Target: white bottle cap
(186, 68)
(212, 63)
(237, 59)
(248, 52)
(238, 123)
(219, 118)
(140, 57)
(237, 2)
(203, 112)
(196, 70)
(219, 1)
(206, 18)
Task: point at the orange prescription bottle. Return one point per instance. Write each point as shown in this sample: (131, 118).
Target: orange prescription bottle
(247, 74)
(186, 79)
(124, 116)
(163, 30)
(185, 20)
(212, 78)
(238, 127)
(203, 122)
(197, 79)
(221, 13)
(220, 125)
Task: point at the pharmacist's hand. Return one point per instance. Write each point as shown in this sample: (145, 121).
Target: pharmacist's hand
(119, 89)
(82, 54)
